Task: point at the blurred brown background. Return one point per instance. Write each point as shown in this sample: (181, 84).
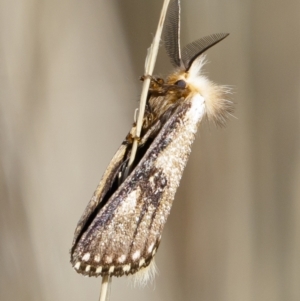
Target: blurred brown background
(68, 88)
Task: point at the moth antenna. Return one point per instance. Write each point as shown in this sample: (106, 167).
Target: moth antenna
(144, 275)
(191, 51)
(172, 33)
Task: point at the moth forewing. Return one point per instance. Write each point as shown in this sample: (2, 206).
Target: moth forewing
(125, 234)
(102, 190)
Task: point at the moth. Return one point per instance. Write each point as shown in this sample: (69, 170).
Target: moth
(120, 229)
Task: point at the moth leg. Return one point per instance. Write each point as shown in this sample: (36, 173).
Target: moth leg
(155, 82)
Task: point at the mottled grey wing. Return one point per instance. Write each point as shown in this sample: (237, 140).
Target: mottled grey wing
(125, 233)
(109, 182)
(103, 188)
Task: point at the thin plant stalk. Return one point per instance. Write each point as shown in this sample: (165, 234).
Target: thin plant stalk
(104, 296)
(149, 67)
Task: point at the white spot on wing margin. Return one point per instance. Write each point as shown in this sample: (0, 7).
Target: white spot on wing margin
(136, 255)
(99, 270)
(86, 257)
(126, 268)
(122, 258)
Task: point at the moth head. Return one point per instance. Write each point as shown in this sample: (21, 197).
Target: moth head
(189, 77)
(189, 62)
